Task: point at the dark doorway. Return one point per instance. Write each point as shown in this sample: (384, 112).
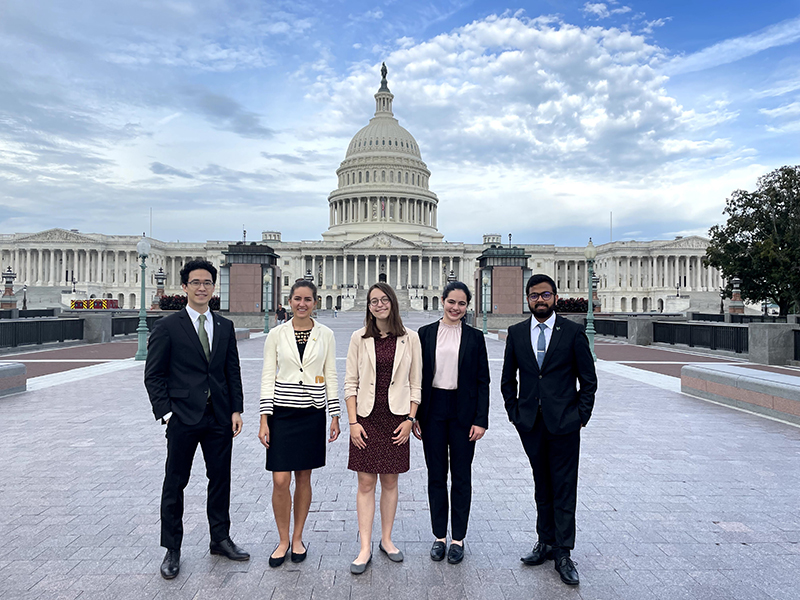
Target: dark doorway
(382, 277)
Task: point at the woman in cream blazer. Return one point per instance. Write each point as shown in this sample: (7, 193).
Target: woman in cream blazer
(298, 382)
(382, 390)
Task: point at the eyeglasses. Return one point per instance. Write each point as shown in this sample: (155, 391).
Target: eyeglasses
(376, 301)
(196, 283)
(533, 296)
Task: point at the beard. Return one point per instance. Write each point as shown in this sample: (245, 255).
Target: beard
(543, 311)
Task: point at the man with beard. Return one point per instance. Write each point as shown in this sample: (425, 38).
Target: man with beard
(554, 399)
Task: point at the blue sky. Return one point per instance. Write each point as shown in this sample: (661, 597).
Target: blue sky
(539, 118)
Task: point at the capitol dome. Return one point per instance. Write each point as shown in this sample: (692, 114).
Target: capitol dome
(383, 182)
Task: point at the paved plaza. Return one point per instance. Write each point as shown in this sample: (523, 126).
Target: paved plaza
(678, 498)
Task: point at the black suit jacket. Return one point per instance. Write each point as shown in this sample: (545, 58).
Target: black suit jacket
(565, 406)
(178, 376)
(473, 375)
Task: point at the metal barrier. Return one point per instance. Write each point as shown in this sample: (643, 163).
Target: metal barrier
(756, 319)
(125, 325)
(28, 314)
(797, 344)
(610, 327)
(732, 338)
(718, 318)
(40, 331)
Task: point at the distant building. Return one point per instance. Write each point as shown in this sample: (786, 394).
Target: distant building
(383, 226)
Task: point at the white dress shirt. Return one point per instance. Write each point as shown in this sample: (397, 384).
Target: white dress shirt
(548, 332)
(195, 317)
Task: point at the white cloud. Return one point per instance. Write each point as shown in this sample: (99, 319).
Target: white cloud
(789, 110)
(600, 10)
(728, 51)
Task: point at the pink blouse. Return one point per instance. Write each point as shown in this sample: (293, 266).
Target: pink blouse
(448, 342)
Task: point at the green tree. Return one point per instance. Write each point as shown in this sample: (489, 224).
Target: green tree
(760, 241)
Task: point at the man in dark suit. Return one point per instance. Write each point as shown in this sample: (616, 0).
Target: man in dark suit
(554, 399)
(195, 386)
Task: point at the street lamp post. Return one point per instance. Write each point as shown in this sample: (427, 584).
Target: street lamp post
(25, 297)
(721, 301)
(143, 249)
(483, 296)
(590, 252)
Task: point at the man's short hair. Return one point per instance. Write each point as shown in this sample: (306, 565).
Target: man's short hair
(193, 265)
(537, 279)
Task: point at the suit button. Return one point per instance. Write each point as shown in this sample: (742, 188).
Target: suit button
(301, 370)
(540, 376)
(300, 382)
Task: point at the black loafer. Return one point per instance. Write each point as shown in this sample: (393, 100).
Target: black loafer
(229, 550)
(566, 568)
(540, 553)
(171, 565)
(437, 551)
(277, 561)
(456, 554)
(299, 557)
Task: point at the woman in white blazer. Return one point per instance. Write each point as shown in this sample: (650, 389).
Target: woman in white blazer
(298, 382)
(382, 391)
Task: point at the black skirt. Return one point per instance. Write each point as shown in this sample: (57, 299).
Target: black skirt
(296, 439)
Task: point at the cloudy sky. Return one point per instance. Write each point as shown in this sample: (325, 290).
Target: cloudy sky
(538, 119)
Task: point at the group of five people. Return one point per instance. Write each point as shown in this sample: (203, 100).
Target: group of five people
(433, 384)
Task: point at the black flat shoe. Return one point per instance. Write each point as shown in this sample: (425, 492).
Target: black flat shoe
(298, 557)
(277, 561)
(540, 553)
(229, 550)
(437, 550)
(171, 565)
(456, 553)
(566, 568)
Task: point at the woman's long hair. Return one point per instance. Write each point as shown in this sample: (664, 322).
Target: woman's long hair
(395, 322)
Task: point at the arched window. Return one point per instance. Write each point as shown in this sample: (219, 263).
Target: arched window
(348, 179)
(367, 174)
(384, 142)
(383, 175)
(399, 177)
(375, 176)
(370, 142)
(390, 142)
(359, 177)
(391, 176)
(406, 176)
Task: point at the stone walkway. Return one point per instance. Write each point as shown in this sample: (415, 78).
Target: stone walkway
(678, 498)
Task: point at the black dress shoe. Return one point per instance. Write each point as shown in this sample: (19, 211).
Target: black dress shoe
(540, 553)
(456, 554)
(277, 561)
(298, 557)
(171, 565)
(566, 568)
(437, 550)
(229, 550)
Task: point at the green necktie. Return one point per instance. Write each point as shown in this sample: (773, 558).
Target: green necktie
(203, 334)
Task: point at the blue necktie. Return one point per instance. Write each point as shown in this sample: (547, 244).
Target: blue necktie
(541, 346)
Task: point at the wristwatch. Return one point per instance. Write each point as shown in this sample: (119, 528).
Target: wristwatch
(410, 418)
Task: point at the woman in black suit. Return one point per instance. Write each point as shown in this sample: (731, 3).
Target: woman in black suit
(453, 415)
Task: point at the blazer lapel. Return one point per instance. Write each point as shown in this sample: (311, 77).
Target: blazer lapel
(462, 348)
(400, 349)
(529, 357)
(430, 342)
(555, 339)
(289, 339)
(191, 333)
(312, 341)
(371, 353)
(217, 338)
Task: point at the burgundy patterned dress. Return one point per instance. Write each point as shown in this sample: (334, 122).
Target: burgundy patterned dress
(381, 455)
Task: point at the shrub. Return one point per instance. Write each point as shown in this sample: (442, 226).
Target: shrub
(572, 305)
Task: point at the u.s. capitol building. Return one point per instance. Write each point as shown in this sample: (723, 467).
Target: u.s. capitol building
(383, 225)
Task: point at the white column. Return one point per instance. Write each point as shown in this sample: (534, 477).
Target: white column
(344, 269)
(335, 278)
(430, 271)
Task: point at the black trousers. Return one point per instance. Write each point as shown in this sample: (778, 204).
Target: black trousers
(216, 441)
(442, 438)
(554, 461)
